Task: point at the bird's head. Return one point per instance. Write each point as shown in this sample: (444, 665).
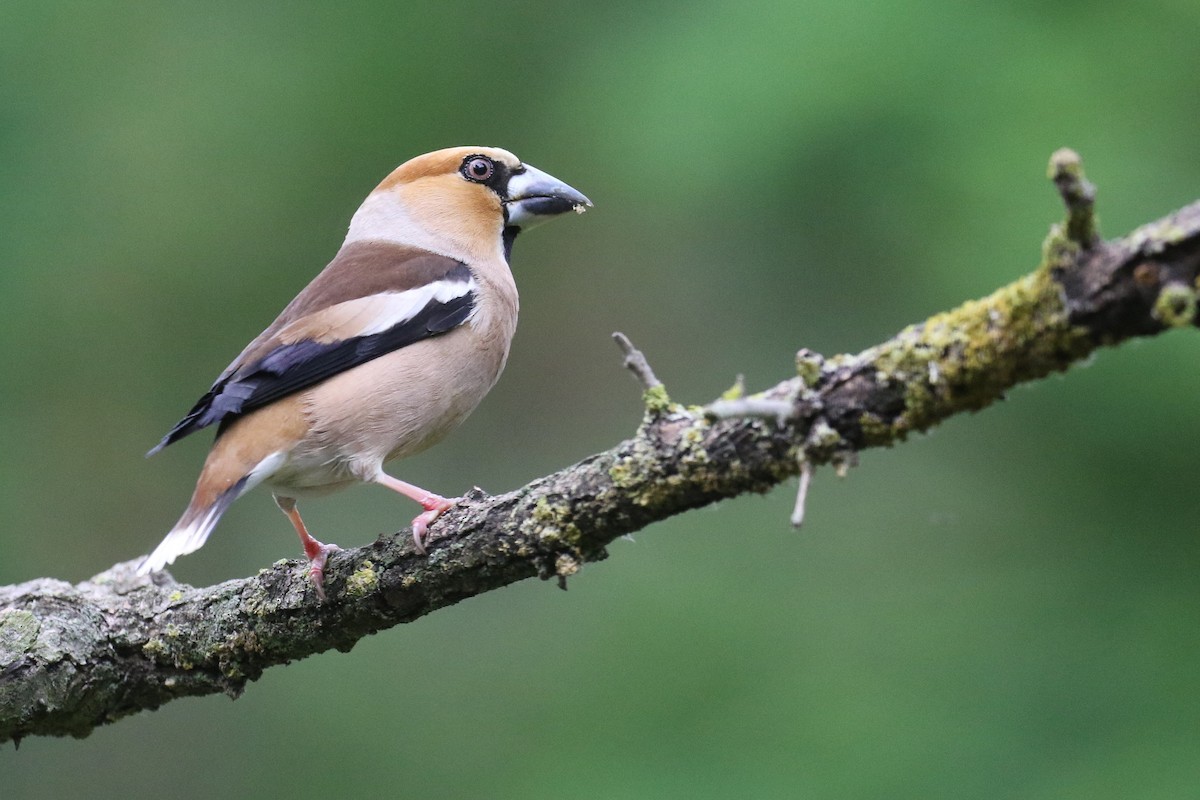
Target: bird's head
(462, 202)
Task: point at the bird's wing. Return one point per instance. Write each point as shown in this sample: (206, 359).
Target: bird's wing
(332, 326)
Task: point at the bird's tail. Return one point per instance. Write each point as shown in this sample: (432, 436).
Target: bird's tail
(234, 466)
(192, 529)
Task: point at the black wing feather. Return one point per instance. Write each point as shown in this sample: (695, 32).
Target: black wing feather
(292, 367)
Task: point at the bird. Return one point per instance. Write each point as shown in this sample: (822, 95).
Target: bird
(384, 353)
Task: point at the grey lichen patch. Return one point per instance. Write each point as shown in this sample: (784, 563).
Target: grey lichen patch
(1175, 305)
(362, 581)
(823, 441)
(262, 599)
(18, 634)
(566, 565)
(1157, 236)
(170, 648)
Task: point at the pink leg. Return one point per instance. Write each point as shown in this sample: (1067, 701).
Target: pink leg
(316, 552)
(434, 505)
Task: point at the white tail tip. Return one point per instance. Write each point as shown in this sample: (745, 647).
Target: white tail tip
(186, 537)
(193, 528)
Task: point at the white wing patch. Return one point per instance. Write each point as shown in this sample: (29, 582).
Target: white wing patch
(373, 314)
(400, 307)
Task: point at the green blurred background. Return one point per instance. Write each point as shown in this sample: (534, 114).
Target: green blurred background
(1008, 607)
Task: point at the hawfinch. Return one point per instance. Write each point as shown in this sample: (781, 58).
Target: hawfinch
(383, 354)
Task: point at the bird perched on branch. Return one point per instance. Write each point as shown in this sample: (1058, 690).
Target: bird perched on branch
(388, 349)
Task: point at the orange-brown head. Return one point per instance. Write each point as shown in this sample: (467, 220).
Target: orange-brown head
(462, 202)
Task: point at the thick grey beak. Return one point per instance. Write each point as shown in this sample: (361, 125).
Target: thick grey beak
(534, 196)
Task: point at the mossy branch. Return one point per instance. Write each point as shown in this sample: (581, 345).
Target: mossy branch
(74, 657)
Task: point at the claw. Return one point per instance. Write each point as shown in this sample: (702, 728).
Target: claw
(316, 552)
(434, 507)
(317, 557)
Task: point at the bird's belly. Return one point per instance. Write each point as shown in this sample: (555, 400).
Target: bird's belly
(394, 406)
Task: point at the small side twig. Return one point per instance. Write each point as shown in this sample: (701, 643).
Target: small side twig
(636, 363)
(760, 407)
(806, 473)
(1078, 195)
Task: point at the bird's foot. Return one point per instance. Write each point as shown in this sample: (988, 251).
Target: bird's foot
(434, 506)
(318, 553)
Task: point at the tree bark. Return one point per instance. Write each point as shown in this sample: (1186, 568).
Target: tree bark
(74, 657)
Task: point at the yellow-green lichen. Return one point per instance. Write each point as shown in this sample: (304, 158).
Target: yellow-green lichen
(1175, 306)
(695, 464)
(808, 367)
(622, 472)
(735, 392)
(362, 581)
(552, 522)
(656, 493)
(875, 430)
(657, 400)
(640, 474)
(155, 649)
(634, 476)
(965, 358)
(175, 596)
(693, 441)
(1059, 251)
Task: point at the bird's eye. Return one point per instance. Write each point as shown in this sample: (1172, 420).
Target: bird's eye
(478, 168)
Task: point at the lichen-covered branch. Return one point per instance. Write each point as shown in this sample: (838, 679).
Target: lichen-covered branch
(74, 657)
